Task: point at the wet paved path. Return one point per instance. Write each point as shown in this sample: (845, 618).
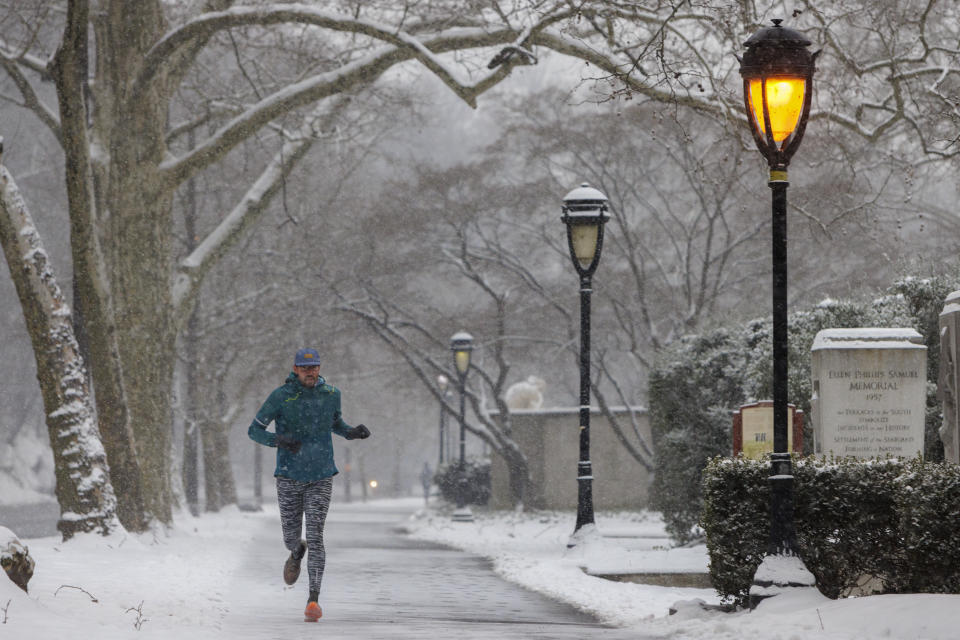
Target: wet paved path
(381, 584)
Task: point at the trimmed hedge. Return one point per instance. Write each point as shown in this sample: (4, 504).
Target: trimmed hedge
(892, 519)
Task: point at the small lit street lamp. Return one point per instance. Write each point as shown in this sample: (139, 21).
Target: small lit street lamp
(584, 213)
(443, 384)
(777, 70)
(461, 344)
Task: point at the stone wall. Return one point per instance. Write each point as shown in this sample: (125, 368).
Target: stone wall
(550, 438)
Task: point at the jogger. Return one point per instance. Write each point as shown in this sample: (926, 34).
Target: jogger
(306, 412)
(310, 500)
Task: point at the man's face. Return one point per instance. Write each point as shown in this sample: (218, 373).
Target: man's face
(307, 374)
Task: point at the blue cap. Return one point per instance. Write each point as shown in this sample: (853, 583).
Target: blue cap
(306, 358)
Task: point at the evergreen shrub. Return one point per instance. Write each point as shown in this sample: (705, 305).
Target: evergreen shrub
(475, 475)
(928, 505)
(890, 519)
(691, 391)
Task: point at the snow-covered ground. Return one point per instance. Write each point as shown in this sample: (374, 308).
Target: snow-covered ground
(197, 579)
(531, 549)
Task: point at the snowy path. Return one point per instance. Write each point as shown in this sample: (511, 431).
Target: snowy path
(219, 576)
(381, 584)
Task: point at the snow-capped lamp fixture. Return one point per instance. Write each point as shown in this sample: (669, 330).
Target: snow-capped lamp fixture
(585, 214)
(777, 70)
(461, 344)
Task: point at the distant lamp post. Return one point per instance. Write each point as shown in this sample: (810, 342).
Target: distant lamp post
(443, 384)
(461, 344)
(584, 213)
(777, 70)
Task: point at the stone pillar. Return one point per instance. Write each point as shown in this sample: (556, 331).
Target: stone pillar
(869, 392)
(947, 379)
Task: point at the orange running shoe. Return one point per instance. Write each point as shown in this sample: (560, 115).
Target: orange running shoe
(312, 613)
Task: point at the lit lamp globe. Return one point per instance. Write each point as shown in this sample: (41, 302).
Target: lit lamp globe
(777, 70)
(462, 346)
(585, 213)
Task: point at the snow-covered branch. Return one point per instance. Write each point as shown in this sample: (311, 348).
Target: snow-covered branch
(193, 268)
(423, 48)
(342, 80)
(398, 46)
(620, 69)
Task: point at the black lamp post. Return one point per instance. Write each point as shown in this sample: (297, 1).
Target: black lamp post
(777, 70)
(443, 384)
(462, 346)
(584, 213)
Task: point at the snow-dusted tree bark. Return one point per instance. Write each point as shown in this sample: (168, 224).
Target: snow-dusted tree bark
(86, 497)
(92, 298)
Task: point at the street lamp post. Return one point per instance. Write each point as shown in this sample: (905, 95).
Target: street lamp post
(777, 70)
(443, 384)
(461, 344)
(584, 214)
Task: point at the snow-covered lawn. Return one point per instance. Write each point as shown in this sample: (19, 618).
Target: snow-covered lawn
(123, 586)
(531, 549)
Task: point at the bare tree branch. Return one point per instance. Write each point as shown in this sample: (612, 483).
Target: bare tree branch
(12, 65)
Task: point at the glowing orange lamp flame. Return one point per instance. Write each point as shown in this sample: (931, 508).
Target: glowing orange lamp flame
(784, 102)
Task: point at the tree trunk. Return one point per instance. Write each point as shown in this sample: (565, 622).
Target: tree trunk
(518, 471)
(87, 501)
(191, 464)
(191, 345)
(221, 451)
(218, 473)
(146, 336)
(228, 485)
(211, 479)
(91, 293)
(137, 235)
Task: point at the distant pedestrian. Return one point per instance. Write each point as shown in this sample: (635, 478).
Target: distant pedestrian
(305, 411)
(426, 479)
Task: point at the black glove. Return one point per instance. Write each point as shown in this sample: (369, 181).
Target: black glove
(288, 443)
(358, 432)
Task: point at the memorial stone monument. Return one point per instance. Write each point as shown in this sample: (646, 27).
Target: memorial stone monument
(949, 375)
(869, 392)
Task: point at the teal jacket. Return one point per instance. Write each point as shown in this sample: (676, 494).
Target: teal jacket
(309, 415)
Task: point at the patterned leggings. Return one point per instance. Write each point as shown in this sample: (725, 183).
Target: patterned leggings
(311, 499)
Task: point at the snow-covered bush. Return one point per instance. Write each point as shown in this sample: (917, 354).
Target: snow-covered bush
(892, 520)
(691, 392)
(475, 479)
(928, 505)
(736, 518)
(924, 298)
